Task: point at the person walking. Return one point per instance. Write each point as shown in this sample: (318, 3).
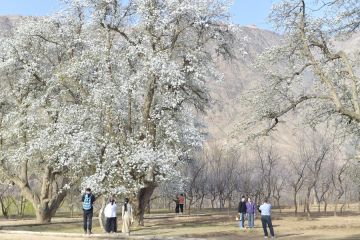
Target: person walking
(265, 210)
(242, 212)
(110, 214)
(88, 200)
(127, 217)
(181, 203)
(250, 212)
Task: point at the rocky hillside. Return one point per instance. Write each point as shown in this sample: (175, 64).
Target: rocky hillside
(239, 73)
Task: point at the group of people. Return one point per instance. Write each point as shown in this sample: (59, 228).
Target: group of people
(179, 203)
(248, 209)
(245, 209)
(110, 212)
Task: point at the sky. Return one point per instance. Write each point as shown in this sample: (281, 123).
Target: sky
(243, 12)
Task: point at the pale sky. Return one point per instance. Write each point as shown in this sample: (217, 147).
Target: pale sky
(243, 12)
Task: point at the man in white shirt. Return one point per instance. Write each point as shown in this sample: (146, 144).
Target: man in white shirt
(265, 210)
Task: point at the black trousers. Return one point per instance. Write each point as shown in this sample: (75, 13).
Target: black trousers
(88, 214)
(181, 208)
(266, 222)
(111, 225)
(177, 208)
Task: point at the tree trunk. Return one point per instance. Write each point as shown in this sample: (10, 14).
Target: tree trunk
(49, 200)
(212, 200)
(359, 201)
(43, 215)
(148, 206)
(140, 201)
(342, 207)
(308, 202)
(4, 207)
(47, 209)
(278, 203)
(336, 207)
(295, 203)
(202, 201)
(101, 213)
(189, 205)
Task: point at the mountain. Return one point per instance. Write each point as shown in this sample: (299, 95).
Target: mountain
(239, 74)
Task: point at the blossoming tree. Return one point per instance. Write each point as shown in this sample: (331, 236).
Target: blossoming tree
(308, 73)
(108, 93)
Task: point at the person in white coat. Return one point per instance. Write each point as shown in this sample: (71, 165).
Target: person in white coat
(110, 214)
(127, 217)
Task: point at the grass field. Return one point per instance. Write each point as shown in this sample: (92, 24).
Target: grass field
(212, 225)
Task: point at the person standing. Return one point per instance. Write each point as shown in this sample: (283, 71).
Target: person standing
(127, 217)
(177, 205)
(250, 211)
(110, 214)
(181, 203)
(88, 200)
(265, 210)
(242, 212)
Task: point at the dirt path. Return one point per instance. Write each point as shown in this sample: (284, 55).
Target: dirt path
(212, 227)
(28, 235)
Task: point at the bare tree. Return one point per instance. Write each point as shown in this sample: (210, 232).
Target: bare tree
(337, 177)
(318, 153)
(298, 166)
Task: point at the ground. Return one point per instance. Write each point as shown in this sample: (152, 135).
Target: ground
(212, 225)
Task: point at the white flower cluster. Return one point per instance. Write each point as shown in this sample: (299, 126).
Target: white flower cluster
(108, 90)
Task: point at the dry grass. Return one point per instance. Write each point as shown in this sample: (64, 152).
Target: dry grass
(215, 226)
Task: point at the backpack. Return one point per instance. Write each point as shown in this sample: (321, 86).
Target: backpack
(87, 205)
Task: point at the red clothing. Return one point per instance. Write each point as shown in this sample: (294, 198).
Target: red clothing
(181, 200)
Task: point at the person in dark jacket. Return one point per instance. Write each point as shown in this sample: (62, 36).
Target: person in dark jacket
(242, 212)
(177, 204)
(88, 200)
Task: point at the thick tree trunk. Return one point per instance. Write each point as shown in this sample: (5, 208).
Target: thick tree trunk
(101, 213)
(47, 209)
(140, 202)
(43, 215)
